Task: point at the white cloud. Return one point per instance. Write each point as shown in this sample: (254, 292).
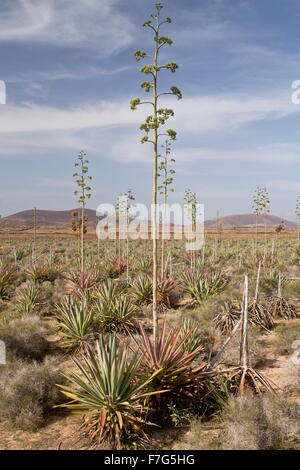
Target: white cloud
(129, 149)
(39, 143)
(63, 74)
(54, 183)
(199, 114)
(32, 118)
(280, 153)
(285, 185)
(206, 114)
(42, 128)
(66, 22)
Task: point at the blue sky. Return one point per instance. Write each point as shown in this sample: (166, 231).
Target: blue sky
(70, 74)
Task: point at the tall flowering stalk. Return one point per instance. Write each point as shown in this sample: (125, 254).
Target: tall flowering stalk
(83, 192)
(165, 187)
(155, 122)
(261, 206)
(191, 202)
(297, 213)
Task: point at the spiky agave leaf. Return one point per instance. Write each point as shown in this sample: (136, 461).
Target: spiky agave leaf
(116, 266)
(194, 340)
(280, 307)
(81, 283)
(8, 274)
(259, 314)
(116, 315)
(29, 299)
(107, 391)
(75, 322)
(200, 287)
(166, 353)
(229, 316)
(141, 289)
(165, 289)
(38, 272)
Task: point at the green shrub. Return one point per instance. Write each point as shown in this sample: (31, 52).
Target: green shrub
(29, 299)
(25, 338)
(285, 336)
(260, 423)
(28, 394)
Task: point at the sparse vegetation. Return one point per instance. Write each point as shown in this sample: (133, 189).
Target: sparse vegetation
(149, 347)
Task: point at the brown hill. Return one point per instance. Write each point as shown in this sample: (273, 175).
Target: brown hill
(46, 218)
(246, 220)
(24, 220)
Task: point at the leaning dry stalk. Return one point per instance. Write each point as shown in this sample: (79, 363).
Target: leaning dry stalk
(257, 283)
(244, 335)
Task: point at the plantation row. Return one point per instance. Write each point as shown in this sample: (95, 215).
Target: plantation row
(122, 378)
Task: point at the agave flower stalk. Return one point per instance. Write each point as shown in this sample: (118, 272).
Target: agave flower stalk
(154, 122)
(191, 209)
(297, 213)
(34, 236)
(83, 193)
(261, 206)
(167, 174)
(124, 206)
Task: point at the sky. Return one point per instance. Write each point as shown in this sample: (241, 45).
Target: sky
(70, 74)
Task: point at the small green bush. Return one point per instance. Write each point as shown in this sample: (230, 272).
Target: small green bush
(260, 423)
(25, 338)
(285, 336)
(28, 393)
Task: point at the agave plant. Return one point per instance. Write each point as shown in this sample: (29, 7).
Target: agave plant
(19, 254)
(109, 290)
(259, 314)
(109, 394)
(194, 340)
(75, 321)
(165, 289)
(141, 289)
(199, 287)
(29, 299)
(227, 318)
(115, 311)
(280, 307)
(7, 276)
(40, 273)
(116, 266)
(145, 263)
(271, 280)
(167, 357)
(81, 283)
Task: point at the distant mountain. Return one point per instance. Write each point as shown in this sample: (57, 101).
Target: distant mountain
(248, 220)
(44, 218)
(24, 220)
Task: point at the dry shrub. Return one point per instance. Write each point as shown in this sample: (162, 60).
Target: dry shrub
(28, 393)
(285, 336)
(193, 439)
(260, 423)
(25, 338)
(257, 355)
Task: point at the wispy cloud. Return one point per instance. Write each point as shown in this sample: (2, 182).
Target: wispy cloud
(198, 114)
(66, 22)
(63, 74)
(283, 153)
(54, 183)
(289, 185)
